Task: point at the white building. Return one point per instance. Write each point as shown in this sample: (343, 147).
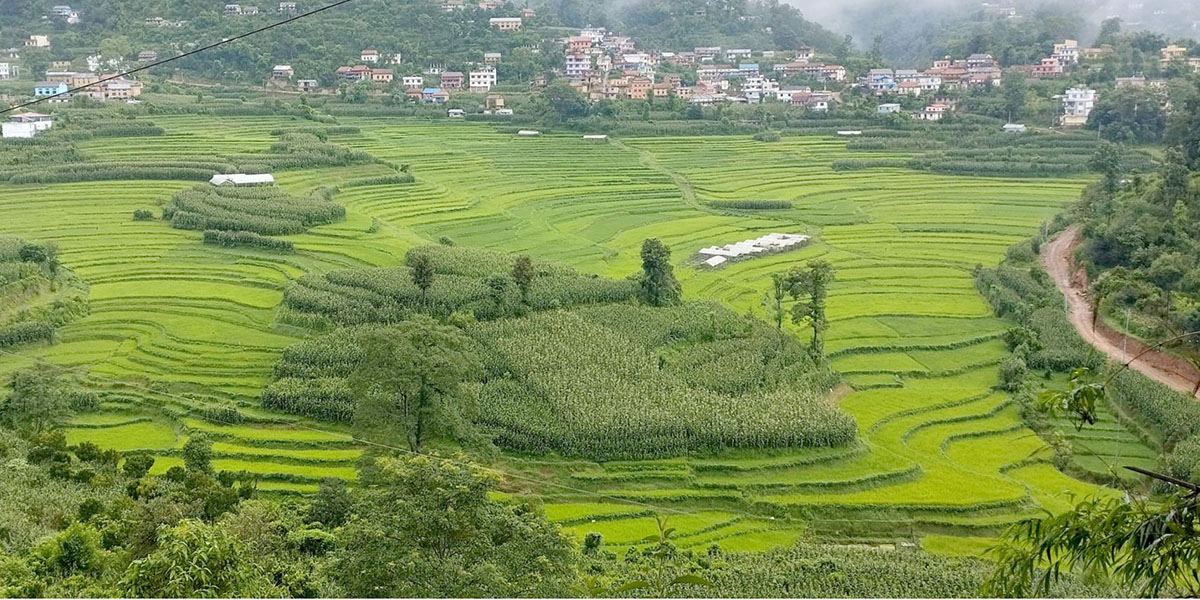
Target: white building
(482, 80)
(9, 71)
(1077, 106)
(887, 109)
(26, 125)
(369, 56)
(767, 244)
(578, 65)
(413, 82)
(242, 179)
(37, 41)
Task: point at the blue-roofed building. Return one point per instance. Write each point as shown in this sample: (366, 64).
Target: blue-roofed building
(748, 69)
(434, 96)
(49, 88)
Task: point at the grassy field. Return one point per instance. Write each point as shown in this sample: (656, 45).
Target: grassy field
(175, 323)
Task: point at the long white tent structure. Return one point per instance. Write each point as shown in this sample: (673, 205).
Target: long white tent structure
(767, 244)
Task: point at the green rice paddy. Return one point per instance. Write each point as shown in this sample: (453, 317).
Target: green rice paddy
(175, 323)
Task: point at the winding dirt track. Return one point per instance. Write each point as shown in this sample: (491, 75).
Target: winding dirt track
(1059, 258)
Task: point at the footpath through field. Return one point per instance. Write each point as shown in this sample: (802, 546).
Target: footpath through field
(1164, 367)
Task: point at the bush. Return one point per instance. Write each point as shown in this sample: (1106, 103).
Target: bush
(751, 204)
(142, 214)
(263, 210)
(247, 239)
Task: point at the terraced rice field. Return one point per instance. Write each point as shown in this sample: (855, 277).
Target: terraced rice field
(941, 454)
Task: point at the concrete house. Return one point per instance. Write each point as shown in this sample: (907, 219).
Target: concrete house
(482, 80)
(506, 23)
(1078, 104)
(26, 125)
(49, 88)
(452, 80)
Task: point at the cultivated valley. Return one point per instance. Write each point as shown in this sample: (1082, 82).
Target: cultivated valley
(359, 342)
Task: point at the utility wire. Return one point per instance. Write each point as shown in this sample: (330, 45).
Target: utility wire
(178, 56)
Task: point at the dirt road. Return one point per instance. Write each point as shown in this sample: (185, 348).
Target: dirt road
(1059, 258)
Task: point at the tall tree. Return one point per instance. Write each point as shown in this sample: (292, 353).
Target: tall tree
(422, 274)
(1176, 179)
(809, 286)
(1108, 162)
(36, 401)
(523, 275)
(197, 454)
(497, 284)
(1016, 89)
(659, 286)
(427, 527)
(412, 377)
(775, 298)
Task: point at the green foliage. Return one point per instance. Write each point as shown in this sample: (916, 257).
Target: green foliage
(75, 551)
(658, 283)
(197, 454)
(426, 527)
(623, 381)
(247, 239)
(261, 210)
(457, 284)
(36, 401)
(412, 380)
(809, 287)
(751, 204)
(1144, 546)
(137, 465)
(192, 560)
(142, 214)
(332, 504)
(523, 275)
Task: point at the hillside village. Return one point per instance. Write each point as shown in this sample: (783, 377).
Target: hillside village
(604, 65)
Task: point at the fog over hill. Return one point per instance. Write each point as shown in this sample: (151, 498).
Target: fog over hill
(910, 30)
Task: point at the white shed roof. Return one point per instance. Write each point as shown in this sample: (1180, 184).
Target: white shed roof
(242, 179)
(716, 261)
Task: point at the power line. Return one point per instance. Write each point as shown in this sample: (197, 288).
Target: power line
(177, 57)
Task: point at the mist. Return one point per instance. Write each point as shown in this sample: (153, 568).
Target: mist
(864, 19)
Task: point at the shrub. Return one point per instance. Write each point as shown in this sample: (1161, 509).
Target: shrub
(751, 204)
(247, 239)
(142, 214)
(261, 210)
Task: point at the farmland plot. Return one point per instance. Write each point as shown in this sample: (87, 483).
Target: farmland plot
(176, 324)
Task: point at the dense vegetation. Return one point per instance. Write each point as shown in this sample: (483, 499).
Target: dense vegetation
(37, 295)
(264, 211)
(457, 281)
(626, 382)
(605, 381)
(183, 337)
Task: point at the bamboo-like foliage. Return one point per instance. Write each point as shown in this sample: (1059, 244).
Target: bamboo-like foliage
(387, 295)
(262, 210)
(561, 381)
